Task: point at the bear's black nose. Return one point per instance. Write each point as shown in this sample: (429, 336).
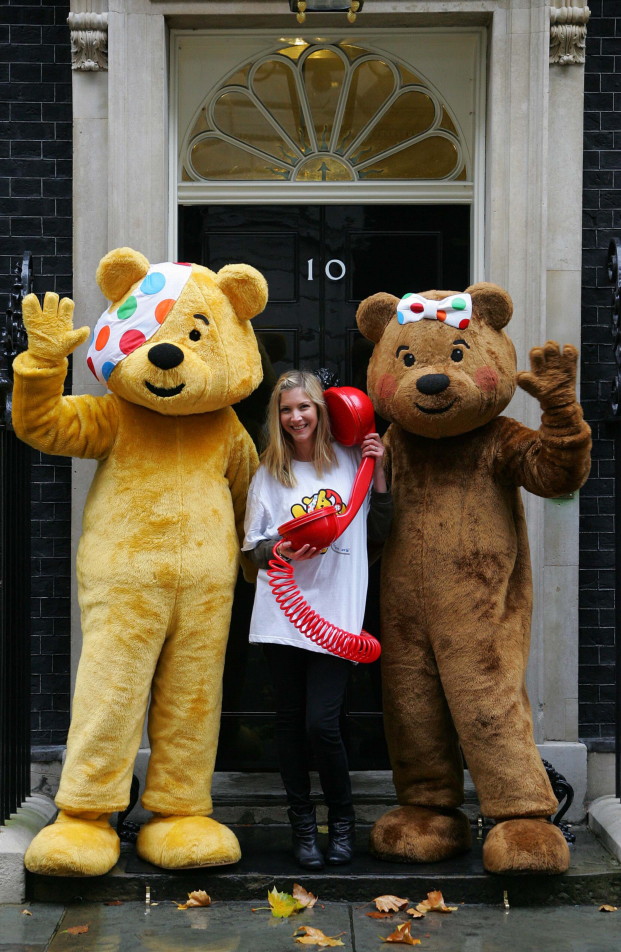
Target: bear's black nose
(430, 383)
(165, 356)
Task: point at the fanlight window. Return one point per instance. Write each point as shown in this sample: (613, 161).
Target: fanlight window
(330, 113)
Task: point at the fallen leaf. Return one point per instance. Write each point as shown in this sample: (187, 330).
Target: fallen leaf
(197, 898)
(435, 903)
(415, 913)
(380, 915)
(76, 930)
(26, 912)
(306, 899)
(402, 935)
(313, 936)
(282, 904)
(390, 903)
(607, 908)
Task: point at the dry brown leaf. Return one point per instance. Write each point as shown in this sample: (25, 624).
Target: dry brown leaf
(390, 903)
(305, 899)
(26, 912)
(435, 903)
(402, 935)
(76, 930)
(380, 915)
(197, 898)
(311, 936)
(416, 913)
(606, 908)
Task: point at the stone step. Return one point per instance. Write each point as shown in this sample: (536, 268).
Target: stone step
(594, 876)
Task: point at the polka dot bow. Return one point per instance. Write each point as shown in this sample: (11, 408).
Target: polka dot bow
(455, 310)
(121, 330)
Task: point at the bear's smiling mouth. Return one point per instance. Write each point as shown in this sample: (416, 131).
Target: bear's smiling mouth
(164, 391)
(435, 409)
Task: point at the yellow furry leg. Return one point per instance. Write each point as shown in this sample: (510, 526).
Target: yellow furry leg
(74, 846)
(183, 842)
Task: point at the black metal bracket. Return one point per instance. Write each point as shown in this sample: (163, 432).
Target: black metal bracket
(13, 337)
(564, 793)
(126, 830)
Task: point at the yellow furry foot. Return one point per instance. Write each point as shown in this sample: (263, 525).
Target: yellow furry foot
(414, 834)
(184, 842)
(74, 846)
(525, 846)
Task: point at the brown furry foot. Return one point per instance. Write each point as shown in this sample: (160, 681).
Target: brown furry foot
(420, 835)
(525, 846)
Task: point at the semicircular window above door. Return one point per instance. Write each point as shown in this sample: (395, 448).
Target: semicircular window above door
(324, 113)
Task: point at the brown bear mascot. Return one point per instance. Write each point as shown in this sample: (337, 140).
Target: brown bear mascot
(456, 576)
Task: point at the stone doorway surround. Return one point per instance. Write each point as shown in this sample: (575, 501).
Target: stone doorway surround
(531, 242)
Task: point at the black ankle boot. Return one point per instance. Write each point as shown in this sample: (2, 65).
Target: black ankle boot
(304, 839)
(341, 831)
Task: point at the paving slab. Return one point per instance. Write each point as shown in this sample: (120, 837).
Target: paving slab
(28, 933)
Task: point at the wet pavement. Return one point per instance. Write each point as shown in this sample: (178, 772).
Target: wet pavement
(232, 926)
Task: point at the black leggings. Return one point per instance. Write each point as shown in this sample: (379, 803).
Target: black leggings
(309, 689)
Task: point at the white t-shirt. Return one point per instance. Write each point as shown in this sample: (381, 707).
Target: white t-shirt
(334, 583)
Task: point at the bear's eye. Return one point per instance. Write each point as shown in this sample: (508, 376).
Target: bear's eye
(457, 355)
(195, 335)
(409, 360)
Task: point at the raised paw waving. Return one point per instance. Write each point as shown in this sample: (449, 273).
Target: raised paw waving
(50, 328)
(552, 376)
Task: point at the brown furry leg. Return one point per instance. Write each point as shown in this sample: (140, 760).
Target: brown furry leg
(525, 846)
(420, 834)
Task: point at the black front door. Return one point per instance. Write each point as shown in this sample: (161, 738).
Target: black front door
(320, 261)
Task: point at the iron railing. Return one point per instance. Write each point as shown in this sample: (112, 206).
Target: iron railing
(15, 473)
(614, 276)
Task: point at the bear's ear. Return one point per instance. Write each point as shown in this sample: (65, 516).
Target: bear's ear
(374, 313)
(245, 287)
(491, 304)
(118, 270)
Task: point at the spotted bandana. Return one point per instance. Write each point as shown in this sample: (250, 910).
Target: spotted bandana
(455, 310)
(121, 330)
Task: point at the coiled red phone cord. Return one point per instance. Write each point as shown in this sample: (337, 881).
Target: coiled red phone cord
(363, 647)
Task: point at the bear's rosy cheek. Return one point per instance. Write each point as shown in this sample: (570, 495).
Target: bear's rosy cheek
(486, 379)
(386, 387)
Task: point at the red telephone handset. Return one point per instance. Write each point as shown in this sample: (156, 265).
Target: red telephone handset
(351, 418)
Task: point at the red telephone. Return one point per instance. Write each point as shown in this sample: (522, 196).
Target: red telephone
(351, 418)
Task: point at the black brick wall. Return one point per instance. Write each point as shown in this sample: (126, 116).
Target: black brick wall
(601, 221)
(35, 215)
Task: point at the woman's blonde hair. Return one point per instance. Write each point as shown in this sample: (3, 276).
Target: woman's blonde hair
(278, 455)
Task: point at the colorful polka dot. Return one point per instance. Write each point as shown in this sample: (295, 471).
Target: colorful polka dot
(463, 324)
(409, 294)
(163, 309)
(131, 340)
(441, 315)
(185, 264)
(153, 283)
(91, 366)
(417, 307)
(459, 304)
(107, 369)
(127, 308)
(103, 337)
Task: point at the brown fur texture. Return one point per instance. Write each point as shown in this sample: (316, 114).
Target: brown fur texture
(525, 846)
(456, 577)
(158, 558)
(420, 835)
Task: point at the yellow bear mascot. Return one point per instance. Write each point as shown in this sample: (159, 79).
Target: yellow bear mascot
(159, 552)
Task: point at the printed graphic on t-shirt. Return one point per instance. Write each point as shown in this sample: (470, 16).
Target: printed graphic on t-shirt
(320, 500)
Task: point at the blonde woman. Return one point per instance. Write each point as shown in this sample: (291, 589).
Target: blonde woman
(303, 469)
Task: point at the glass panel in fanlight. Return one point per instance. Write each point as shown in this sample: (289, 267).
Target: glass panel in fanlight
(410, 115)
(432, 158)
(372, 82)
(274, 84)
(408, 78)
(237, 115)
(219, 160)
(323, 169)
(294, 52)
(323, 80)
(353, 52)
(447, 122)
